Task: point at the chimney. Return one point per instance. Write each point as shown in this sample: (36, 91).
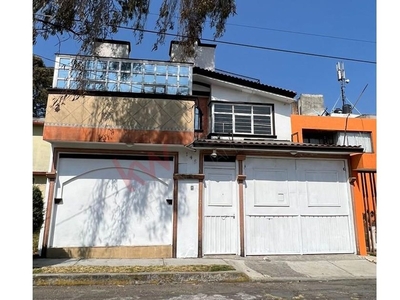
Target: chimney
(204, 55)
(311, 105)
(112, 48)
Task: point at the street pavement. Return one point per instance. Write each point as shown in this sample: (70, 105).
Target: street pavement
(251, 268)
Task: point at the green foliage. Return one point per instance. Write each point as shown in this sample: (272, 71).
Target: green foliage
(38, 208)
(42, 79)
(88, 20)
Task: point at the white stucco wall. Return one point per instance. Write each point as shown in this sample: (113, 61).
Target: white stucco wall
(282, 110)
(187, 235)
(188, 195)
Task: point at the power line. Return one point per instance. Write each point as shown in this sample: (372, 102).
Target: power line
(292, 32)
(263, 47)
(303, 33)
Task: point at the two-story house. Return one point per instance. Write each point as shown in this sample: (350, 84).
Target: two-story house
(177, 159)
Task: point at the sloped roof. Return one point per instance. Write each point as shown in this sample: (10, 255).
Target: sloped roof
(244, 82)
(274, 145)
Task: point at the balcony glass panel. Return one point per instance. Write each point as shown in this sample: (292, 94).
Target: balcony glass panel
(61, 84)
(126, 67)
(114, 66)
(65, 63)
(125, 87)
(137, 88)
(172, 80)
(112, 76)
(161, 70)
(123, 75)
(183, 81)
(173, 70)
(63, 74)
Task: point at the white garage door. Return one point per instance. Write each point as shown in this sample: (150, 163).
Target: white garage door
(297, 206)
(113, 202)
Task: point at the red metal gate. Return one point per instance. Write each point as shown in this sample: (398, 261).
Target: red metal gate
(368, 189)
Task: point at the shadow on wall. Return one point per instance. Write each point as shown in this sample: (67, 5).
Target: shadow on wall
(141, 115)
(116, 212)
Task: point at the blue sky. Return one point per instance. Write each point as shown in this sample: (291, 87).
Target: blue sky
(276, 32)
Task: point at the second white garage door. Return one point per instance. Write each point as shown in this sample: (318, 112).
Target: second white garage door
(297, 206)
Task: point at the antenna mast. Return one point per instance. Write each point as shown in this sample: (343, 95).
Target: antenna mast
(341, 75)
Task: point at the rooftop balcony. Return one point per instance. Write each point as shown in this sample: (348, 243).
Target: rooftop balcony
(122, 75)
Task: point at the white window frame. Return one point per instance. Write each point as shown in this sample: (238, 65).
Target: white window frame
(251, 115)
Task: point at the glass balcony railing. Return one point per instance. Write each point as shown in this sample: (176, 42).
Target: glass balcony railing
(122, 75)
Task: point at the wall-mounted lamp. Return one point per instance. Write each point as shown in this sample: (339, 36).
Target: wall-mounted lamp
(214, 154)
(294, 153)
(130, 145)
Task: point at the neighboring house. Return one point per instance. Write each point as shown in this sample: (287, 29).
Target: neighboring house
(41, 154)
(176, 159)
(343, 127)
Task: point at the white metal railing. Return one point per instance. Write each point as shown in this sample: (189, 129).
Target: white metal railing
(122, 75)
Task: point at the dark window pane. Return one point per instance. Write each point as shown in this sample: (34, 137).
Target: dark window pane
(242, 109)
(126, 66)
(242, 124)
(223, 108)
(114, 65)
(262, 125)
(262, 110)
(223, 123)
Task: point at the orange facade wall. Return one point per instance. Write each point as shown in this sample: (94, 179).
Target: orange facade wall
(358, 163)
(113, 135)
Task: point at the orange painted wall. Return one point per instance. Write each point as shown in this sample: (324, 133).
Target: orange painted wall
(357, 161)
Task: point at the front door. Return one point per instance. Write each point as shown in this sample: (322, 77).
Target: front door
(220, 225)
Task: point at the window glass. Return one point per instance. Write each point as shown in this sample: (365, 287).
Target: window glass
(114, 65)
(183, 81)
(242, 124)
(262, 110)
(242, 119)
(62, 73)
(162, 70)
(126, 67)
(362, 139)
(223, 123)
(149, 69)
(223, 108)
(124, 75)
(242, 109)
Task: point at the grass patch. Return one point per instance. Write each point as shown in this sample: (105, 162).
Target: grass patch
(132, 269)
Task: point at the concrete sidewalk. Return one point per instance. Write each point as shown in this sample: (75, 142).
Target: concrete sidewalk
(258, 268)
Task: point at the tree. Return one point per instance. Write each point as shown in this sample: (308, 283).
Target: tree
(38, 206)
(42, 78)
(88, 20)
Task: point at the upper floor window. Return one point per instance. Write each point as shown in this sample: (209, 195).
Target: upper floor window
(349, 138)
(342, 138)
(242, 119)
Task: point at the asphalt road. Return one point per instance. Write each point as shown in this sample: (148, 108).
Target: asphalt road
(345, 289)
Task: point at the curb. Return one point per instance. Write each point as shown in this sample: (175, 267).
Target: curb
(136, 278)
(309, 279)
